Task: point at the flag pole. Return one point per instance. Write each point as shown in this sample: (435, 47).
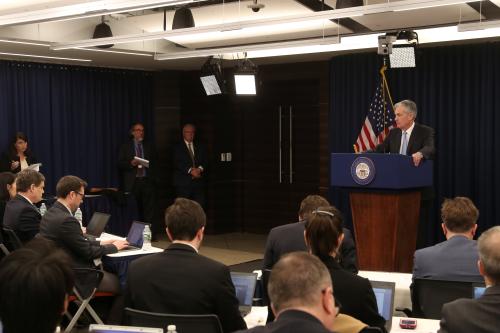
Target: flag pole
(385, 89)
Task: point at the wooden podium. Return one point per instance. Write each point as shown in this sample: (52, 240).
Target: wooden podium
(385, 203)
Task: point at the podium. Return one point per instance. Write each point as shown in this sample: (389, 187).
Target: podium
(384, 193)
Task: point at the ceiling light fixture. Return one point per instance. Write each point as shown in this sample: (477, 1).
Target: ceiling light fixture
(313, 16)
(13, 41)
(481, 25)
(87, 9)
(43, 57)
(115, 51)
(248, 48)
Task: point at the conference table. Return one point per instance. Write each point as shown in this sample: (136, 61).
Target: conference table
(258, 316)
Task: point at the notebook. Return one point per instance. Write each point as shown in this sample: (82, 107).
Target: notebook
(134, 237)
(97, 224)
(244, 285)
(384, 293)
(95, 328)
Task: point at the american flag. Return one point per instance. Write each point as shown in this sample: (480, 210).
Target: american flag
(378, 122)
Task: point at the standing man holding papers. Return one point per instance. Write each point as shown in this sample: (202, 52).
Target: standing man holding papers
(137, 162)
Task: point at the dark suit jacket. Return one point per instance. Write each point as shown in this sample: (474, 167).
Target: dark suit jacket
(291, 321)
(127, 171)
(23, 217)
(290, 238)
(180, 281)
(63, 228)
(421, 140)
(355, 294)
(480, 315)
(6, 160)
(453, 259)
(182, 164)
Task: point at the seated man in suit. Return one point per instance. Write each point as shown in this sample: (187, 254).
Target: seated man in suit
(456, 258)
(301, 293)
(480, 315)
(179, 280)
(35, 282)
(60, 226)
(21, 214)
(290, 237)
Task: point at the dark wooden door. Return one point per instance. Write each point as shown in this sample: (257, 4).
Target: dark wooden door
(280, 142)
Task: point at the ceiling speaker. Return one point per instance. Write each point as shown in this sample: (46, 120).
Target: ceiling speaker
(183, 18)
(103, 30)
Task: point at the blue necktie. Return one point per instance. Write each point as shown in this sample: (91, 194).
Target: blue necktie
(404, 138)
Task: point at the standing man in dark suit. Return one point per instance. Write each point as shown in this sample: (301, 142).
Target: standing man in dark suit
(301, 295)
(417, 141)
(179, 280)
(21, 214)
(138, 178)
(190, 161)
(408, 137)
(480, 315)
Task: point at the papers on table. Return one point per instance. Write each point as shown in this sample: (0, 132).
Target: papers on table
(35, 166)
(143, 162)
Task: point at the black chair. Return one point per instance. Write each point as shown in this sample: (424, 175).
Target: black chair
(428, 296)
(208, 323)
(86, 282)
(11, 241)
(370, 329)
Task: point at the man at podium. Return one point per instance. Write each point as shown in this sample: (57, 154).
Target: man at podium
(417, 141)
(409, 137)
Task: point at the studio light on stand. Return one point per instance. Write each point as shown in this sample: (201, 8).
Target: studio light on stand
(211, 77)
(245, 78)
(400, 55)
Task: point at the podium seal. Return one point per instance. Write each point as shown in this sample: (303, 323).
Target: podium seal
(363, 171)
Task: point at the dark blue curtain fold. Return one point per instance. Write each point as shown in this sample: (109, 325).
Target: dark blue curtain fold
(75, 117)
(456, 89)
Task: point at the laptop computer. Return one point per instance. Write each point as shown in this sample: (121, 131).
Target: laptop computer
(96, 328)
(97, 224)
(244, 285)
(134, 237)
(478, 290)
(384, 294)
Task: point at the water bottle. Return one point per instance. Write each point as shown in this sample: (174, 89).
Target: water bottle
(171, 329)
(43, 209)
(146, 239)
(79, 216)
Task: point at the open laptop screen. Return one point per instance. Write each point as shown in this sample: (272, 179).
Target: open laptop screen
(134, 237)
(384, 293)
(244, 284)
(97, 224)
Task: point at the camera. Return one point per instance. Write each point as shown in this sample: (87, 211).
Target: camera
(256, 6)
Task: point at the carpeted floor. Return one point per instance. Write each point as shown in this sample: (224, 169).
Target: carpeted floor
(230, 249)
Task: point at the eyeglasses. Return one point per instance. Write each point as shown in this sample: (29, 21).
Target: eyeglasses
(80, 194)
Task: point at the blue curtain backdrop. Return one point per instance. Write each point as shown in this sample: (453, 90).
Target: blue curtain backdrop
(75, 117)
(456, 89)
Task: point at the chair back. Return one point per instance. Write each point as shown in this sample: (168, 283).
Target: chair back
(207, 323)
(12, 242)
(370, 329)
(428, 296)
(87, 280)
